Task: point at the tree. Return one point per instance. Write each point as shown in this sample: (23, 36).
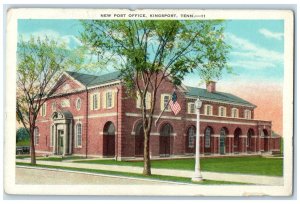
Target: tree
(149, 51)
(40, 63)
(22, 134)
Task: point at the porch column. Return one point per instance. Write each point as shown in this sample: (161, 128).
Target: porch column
(65, 150)
(70, 137)
(54, 139)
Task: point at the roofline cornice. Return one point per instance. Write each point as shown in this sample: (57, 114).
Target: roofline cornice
(219, 101)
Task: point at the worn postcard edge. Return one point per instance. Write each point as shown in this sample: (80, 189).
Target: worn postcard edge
(156, 190)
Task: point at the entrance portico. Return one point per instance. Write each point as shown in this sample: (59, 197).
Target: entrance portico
(62, 132)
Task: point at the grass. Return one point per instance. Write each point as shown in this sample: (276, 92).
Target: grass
(134, 175)
(255, 165)
(59, 159)
(23, 143)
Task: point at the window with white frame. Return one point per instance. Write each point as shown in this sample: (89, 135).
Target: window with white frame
(191, 136)
(191, 108)
(164, 102)
(78, 103)
(247, 114)
(43, 109)
(208, 109)
(147, 100)
(78, 133)
(234, 113)
(53, 106)
(36, 136)
(65, 103)
(95, 101)
(108, 99)
(222, 111)
(207, 137)
(52, 135)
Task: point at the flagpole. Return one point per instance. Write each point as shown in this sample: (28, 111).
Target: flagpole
(162, 112)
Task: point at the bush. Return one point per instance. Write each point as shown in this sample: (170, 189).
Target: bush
(22, 135)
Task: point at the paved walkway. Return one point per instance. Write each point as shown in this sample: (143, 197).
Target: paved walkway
(244, 178)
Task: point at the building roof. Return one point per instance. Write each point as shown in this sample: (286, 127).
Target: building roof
(92, 80)
(218, 96)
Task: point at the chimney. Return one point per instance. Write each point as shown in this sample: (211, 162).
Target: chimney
(211, 86)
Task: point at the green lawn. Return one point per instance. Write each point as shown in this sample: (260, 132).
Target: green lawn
(246, 165)
(23, 143)
(59, 159)
(135, 175)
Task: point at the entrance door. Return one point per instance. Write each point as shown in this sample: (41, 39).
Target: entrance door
(60, 138)
(164, 145)
(139, 142)
(109, 139)
(165, 140)
(222, 141)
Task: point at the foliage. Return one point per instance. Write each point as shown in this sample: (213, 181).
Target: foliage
(22, 134)
(40, 63)
(147, 52)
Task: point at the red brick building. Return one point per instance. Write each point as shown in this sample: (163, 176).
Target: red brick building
(93, 116)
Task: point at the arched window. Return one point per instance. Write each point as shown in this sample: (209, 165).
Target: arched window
(78, 132)
(36, 135)
(191, 136)
(207, 137)
(166, 130)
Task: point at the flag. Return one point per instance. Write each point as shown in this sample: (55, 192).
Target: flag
(174, 105)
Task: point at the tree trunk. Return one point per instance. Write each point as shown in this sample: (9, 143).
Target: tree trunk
(32, 148)
(147, 162)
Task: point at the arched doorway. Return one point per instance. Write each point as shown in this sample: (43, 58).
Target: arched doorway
(207, 140)
(223, 134)
(236, 141)
(191, 140)
(249, 144)
(165, 140)
(109, 139)
(139, 140)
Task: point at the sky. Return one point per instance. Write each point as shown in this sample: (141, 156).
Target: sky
(256, 57)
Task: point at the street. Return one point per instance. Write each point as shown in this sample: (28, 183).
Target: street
(58, 177)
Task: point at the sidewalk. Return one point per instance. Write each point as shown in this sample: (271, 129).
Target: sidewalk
(244, 178)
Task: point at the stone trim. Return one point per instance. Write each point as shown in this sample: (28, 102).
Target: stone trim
(101, 115)
(154, 116)
(222, 121)
(222, 102)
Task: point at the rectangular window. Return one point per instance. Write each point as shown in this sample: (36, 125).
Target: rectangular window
(208, 110)
(247, 114)
(78, 135)
(234, 113)
(108, 99)
(222, 111)
(36, 136)
(95, 101)
(52, 135)
(43, 111)
(164, 102)
(191, 108)
(147, 100)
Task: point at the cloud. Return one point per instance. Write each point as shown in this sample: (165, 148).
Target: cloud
(248, 55)
(70, 40)
(270, 34)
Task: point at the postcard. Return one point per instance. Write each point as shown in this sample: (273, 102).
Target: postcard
(154, 102)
